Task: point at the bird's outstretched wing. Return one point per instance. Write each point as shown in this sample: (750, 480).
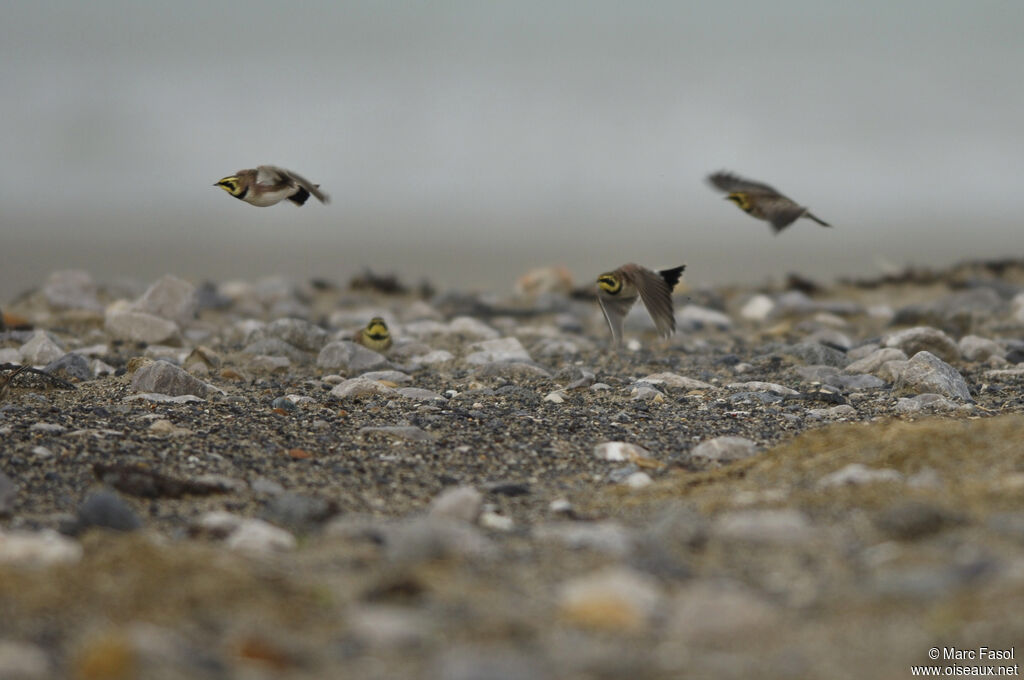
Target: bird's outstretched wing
(729, 183)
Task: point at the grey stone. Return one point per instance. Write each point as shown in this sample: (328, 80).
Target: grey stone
(781, 527)
(396, 377)
(47, 428)
(299, 512)
(835, 412)
(342, 354)
(108, 510)
(462, 503)
(723, 450)
(829, 375)
(646, 393)
(8, 494)
(165, 378)
(125, 324)
(925, 372)
(609, 538)
(927, 402)
(975, 348)
(924, 338)
(511, 370)
(418, 394)
(169, 298)
(40, 349)
(361, 387)
(430, 538)
(499, 350)
(673, 380)
(276, 347)
(914, 519)
(758, 308)
(694, 318)
(299, 333)
(703, 613)
(24, 661)
(71, 367)
(874, 361)
(856, 474)
(816, 353)
(759, 386)
(469, 327)
(488, 663)
(72, 289)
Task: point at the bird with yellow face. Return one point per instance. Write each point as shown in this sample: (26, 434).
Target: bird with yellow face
(268, 185)
(375, 336)
(761, 201)
(618, 291)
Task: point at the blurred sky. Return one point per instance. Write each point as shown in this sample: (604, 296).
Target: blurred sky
(466, 142)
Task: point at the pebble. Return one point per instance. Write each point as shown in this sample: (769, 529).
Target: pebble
(298, 512)
(758, 308)
(355, 388)
(975, 348)
(834, 413)
(419, 394)
(432, 358)
(259, 537)
(165, 378)
(23, 661)
(169, 298)
(47, 428)
(341, 354)
(462, 503)
(817, 354)
(72, 289)
(924, 338)
(8, 495)
(874, 361)
(432, 538)
(298, 333)
(396, 377)
(675, 381)
(912, 520)
(37, 549)
(928, 402)
(469, 327)
(71, 367)
(124, 324)
(500, 350)
(265, 363)
(693, 318)
(388, 626)
(759, 386)
(608, 538)
(614, 599)
(638, 480)
(705, 613)
(488, 663)
(925, 372)
(647, 393)
(776, 527)
(620, 451)
(723, 450)
(856, 474)
(40, 349)
(107, 510)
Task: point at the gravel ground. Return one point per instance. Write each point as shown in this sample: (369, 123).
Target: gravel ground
(213, 482)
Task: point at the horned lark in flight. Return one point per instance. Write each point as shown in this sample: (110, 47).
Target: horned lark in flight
(761, 201)
(375, 336)
(618, 291)
(268, 185)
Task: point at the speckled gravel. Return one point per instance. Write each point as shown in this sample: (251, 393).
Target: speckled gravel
(448, 510)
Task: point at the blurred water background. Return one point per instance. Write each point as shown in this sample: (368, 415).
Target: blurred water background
(465, 142)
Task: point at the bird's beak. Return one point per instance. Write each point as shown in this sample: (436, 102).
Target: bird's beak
(216, 184)
(724, 198)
